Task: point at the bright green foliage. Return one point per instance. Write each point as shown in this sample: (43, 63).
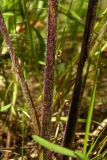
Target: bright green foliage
(58, 149)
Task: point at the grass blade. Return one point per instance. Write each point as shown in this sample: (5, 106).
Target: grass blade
(58, 149)
(88, 124)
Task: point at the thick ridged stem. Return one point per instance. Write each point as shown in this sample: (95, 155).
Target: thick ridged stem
(49, 71)
(76, 99)
(25, 89)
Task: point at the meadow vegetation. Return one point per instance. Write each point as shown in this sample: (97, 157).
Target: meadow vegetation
(53, 79)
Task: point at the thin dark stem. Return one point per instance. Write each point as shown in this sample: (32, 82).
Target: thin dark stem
(49, 71)
(75, 104)
(33, 112)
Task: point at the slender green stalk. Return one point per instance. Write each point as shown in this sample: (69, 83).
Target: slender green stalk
(88, 124)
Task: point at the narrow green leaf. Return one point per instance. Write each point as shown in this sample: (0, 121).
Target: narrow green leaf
(58, 149)
(25, 113)
(71, 14)
(42, 63)
(13, 110)
(8, 14)
(41, 43)
(15, 90)
(5, 108)
(90, 112)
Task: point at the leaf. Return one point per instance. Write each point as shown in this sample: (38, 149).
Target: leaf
(41, 43)
(71, 14)
(9, 14)
(5, 108)
(15, 90)
(91, 106)
(58, 149)
(27, 115)
(42, 63)
(13, 110)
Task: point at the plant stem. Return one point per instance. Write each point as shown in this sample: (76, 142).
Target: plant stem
(49, 72)
(76, 99)
(25, 89)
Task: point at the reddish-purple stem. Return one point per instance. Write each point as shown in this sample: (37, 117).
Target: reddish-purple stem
(49, 70)
(33, 112)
